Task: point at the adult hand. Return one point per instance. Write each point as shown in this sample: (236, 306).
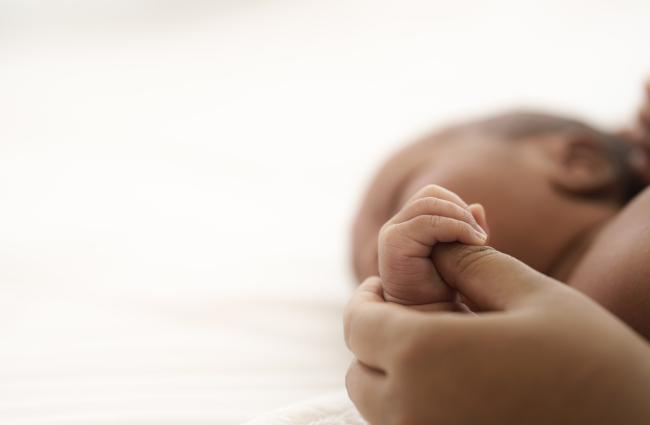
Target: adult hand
(539, 352)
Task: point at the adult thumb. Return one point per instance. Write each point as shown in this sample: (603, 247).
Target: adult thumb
(489, 279)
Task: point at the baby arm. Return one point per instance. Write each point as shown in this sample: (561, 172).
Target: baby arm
(432, 215)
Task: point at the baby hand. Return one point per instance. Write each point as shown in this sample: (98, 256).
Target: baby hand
(432, 215)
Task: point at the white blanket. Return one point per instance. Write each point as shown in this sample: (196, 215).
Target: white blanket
(334, 409)
(115, 357)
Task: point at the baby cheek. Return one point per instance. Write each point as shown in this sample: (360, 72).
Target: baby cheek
(413, 186)
(454, 178)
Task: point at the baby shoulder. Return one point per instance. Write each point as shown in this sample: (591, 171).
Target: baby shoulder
(616, 270)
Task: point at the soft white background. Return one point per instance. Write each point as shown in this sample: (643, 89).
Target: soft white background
(177, 178)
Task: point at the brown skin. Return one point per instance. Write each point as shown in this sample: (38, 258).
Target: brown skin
(541, 353)
(566, 237)
(615, 270)
(517, 183)
(433, 215)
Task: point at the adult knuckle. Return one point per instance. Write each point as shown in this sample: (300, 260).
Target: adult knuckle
(353, 317)
(348, 320)
(411, 352)
(473, 257)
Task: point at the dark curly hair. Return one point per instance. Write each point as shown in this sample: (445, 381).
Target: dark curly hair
(524, 124)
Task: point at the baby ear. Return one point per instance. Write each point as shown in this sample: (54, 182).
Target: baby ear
(583, 166)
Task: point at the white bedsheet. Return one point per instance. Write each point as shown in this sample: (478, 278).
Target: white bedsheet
(117, 358)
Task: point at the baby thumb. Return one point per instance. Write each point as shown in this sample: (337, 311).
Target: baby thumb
(489, 279)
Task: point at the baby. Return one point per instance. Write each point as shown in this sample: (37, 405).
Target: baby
(565, 198)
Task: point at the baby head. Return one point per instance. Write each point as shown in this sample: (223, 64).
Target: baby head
(545, 181)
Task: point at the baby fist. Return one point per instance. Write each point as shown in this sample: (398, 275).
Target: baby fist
(434, 214)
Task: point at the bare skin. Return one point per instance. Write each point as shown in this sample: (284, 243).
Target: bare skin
(513, 181)
(613, 269)
(541, 353)
(433, 215)
(598, 246)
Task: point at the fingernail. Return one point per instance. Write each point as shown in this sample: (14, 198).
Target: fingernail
(476, 225)
(481, 235)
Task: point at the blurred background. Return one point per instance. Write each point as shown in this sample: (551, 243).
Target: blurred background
(178, 178)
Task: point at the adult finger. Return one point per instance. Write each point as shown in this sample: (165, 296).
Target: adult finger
(367, 389)
(371, 325)
(488, 278)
